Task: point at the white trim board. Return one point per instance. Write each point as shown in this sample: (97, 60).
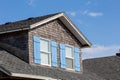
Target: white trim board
(46, 20)
(31, 76)
(14, 30)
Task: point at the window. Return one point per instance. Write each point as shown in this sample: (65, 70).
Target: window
(69, 57)
(45, 52)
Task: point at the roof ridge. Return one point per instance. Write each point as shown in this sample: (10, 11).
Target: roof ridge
(30, 17)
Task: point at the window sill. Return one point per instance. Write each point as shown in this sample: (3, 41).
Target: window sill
(73, 70)
(70, 69)
(45, 65)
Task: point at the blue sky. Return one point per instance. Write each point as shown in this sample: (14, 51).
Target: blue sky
(99, 20)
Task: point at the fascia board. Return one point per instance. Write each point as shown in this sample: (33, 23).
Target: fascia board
(46, 20)
(14, 30)
(31, 76)
(74, 30)
(68, 24)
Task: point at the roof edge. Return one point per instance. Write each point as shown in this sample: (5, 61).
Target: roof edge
(5, 71)
(14, 30)
(79, 32)
(63, 17)
(31, 76)
(46, 20)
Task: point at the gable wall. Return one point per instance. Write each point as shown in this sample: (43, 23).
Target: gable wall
(54, 30)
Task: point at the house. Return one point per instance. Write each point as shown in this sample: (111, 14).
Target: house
(106, 68)
(44, 48)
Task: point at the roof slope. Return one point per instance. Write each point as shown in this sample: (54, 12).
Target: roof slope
(87, 75)
(22, 24)
(10, 64)
(106, 67)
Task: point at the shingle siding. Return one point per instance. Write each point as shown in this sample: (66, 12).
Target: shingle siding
(18, 40)
(54, 30)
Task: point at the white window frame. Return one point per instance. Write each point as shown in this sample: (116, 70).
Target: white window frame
(73, 69)
(49, 52)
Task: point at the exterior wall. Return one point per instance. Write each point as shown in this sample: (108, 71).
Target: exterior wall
(16, 43)
(54, 30)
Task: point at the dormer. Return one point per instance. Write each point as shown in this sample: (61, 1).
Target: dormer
(52, 43)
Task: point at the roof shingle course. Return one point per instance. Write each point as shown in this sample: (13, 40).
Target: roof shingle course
(23, 23)
(15, 65)
(106, 67)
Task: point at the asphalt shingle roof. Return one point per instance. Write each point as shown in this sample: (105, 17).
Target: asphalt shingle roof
(23, 23)
(106, 67)
(11, 64)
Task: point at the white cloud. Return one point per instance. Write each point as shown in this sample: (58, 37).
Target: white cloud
(31, 2)
(84, 12)
(95, 14)
(100, 51)
(88, 3)
(73, 14)
(91, 14)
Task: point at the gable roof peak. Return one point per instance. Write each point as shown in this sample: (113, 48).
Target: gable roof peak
(31, 23)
